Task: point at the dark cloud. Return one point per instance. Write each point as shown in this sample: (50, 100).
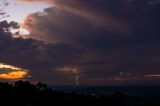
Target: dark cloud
(40, 58)
(103, 38)
(92, 63)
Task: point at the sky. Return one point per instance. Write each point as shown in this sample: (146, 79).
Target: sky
(81, 42)
(19, 10)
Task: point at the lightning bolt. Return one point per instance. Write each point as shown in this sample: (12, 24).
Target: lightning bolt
(76, 73)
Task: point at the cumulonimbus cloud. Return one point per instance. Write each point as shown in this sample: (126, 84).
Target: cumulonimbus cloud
(83, 24)
(37, 57)
(90, 11)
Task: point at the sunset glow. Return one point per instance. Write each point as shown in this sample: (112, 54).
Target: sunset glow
(21, 31)
(12, 72)
(13, 75)
(9, 66)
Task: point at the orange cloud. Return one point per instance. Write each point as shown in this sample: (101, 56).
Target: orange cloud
(13, 75)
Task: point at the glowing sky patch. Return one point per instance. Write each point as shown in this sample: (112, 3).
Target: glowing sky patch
(13, 75)
(21, 32)
(13, 72)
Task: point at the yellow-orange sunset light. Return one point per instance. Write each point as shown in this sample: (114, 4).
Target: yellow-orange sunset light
(11, 72)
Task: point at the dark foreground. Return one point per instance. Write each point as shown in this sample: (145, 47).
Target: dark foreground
(26, 94)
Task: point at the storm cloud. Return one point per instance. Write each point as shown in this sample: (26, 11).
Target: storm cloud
(109, 41)
(36, 56)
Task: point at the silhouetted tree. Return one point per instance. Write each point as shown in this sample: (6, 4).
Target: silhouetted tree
(41, 86)
(23, 93)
